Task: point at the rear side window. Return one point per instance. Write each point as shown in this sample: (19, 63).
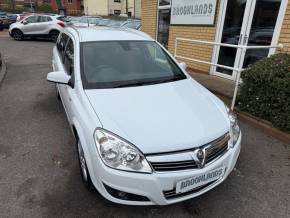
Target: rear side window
(69, 57)
(61, 43)
(42, 19)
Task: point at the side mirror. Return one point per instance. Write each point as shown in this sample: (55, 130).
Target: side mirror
(58, 77)
(182, 65)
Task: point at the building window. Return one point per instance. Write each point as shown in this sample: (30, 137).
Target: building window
(164, 2)
(69, 1)
(119, 1)
(117, 12)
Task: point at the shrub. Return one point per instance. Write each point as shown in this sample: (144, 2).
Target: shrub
(265, 91)
(45, 8)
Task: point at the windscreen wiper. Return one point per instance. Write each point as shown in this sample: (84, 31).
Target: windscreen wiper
(176, 78)
(150, 82)
(133, 84)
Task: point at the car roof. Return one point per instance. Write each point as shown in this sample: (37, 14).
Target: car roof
(89, 34)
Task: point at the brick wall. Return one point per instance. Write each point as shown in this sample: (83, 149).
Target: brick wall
(198, 51)
(285, 31)
(149, 13)
(204, 52)
(190, 50)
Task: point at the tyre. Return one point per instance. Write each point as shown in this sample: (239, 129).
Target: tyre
(83, 168)
(53, 35)
(17, 35)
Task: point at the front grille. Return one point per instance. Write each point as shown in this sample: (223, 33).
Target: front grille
(217, 148)
(213, 151)
(170, 194)
(171, 166)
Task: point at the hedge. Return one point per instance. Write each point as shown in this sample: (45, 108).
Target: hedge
(265, 90)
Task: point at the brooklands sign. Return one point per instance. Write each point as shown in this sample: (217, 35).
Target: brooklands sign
(193, 12)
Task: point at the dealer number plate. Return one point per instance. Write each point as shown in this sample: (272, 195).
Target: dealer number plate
(202, 179)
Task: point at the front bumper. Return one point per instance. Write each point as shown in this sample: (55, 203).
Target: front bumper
(153, 185)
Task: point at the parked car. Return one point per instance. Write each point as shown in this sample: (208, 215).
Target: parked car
(104, 22)
(73, 19)
(115, 23)
(13, 17)
(63, 18)
(87, 21)
(5, 21)
(132, 24)
(146, 132)
(1, 25)
(37, 25)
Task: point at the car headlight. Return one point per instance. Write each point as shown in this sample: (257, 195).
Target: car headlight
(234, 129)
(120, 154)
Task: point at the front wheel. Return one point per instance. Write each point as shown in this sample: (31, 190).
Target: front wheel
(54, 35)
(83, 168)
(17, 35)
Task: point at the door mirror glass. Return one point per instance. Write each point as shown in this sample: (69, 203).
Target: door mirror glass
(58, 77)
(182, 65)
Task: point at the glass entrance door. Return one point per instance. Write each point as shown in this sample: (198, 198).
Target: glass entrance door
(163, 22)
(262, 29)
(163, 27)
(246, 22)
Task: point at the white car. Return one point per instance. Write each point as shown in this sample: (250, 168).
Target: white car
(146, 132)
(87, 21)
(37, 25)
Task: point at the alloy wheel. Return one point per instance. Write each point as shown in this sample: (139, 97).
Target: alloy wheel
(17, 35)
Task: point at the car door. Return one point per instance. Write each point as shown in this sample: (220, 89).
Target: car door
(30, 25)
(44, 23)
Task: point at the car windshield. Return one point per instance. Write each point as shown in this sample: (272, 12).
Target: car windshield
(115, 64)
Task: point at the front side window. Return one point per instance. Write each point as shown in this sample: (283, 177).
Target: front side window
(114, 64)
(31, 19)
(69, 58)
